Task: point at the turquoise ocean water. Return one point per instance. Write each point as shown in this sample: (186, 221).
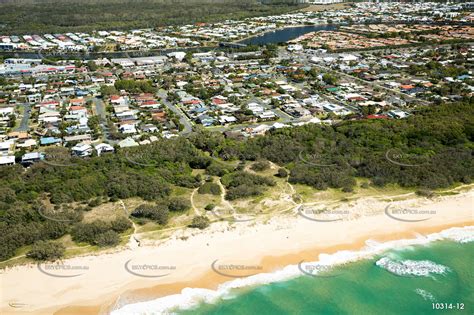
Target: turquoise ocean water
(363, 287)
(432, 274)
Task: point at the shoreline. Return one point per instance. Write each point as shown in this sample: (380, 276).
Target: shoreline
(274, 264)
(280, 28)
(284, 240)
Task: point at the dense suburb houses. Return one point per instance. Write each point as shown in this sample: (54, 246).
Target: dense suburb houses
(101, 105)
(203, 35)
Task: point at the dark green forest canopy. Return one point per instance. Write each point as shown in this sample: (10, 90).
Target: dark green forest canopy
(438, 141)
(432, 149)
(53, 16)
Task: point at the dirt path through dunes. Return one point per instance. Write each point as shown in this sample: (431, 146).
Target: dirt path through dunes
(196, 211)
(133, 242)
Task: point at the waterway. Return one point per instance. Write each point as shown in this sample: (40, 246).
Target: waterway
(285, 34)
(273, 37)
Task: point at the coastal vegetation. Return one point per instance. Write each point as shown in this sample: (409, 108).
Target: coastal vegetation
(260, 166)
(99, 232)
(46, 250)
(200, 222)
(48, 201)
(210, 188)
(243, 184)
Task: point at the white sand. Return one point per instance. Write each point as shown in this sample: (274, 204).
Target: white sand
(30, 291)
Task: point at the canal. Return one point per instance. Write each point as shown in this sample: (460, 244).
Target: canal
(273, 37)
(285, 34)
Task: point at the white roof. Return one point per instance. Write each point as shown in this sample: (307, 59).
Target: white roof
(32, 155)
(7, 160)
(128, 142)
(278, 125)
(81, 147)
(6, 145)
(102, 146)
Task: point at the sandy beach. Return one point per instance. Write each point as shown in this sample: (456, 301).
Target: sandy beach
(97, 284)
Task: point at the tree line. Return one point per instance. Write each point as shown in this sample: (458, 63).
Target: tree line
(428, 150)
(61, 16)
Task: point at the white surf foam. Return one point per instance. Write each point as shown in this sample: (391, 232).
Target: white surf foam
(421, 268)
(192, 297)
(426, 295)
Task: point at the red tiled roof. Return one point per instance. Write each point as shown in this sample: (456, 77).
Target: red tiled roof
(149, 102)
(192, 102)
(74, 108)
(77, 101)
(218, 101)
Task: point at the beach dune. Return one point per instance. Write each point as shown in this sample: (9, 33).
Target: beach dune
(224, 252)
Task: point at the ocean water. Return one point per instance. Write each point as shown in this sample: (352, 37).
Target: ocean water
(398, 277)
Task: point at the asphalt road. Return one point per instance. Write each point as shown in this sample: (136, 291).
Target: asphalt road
(24, 120)
(100, 111)
(188, 127)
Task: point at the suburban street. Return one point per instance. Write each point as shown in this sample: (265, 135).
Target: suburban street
(188, 127)
(306, 60)
(101, 113)
(24, 120)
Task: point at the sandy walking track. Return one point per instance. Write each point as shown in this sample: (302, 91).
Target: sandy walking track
(285, 239)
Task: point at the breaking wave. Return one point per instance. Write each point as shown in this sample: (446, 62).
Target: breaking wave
(420, 268)
(189, 298)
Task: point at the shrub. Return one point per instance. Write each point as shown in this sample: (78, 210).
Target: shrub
(46, 250)
(425, 193)
(200, 162)
(107, 239)
(244, 184)
(260, 166)
(178, 204)
(210, 207)
(216, 169)
(210, 188)
(200, 222)
(283, 173)
(121, 224)
(347, 189)
(87, 232)
(243, 191)
(156, 213)
(94, 202)
(245, 178)
(240, 166)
